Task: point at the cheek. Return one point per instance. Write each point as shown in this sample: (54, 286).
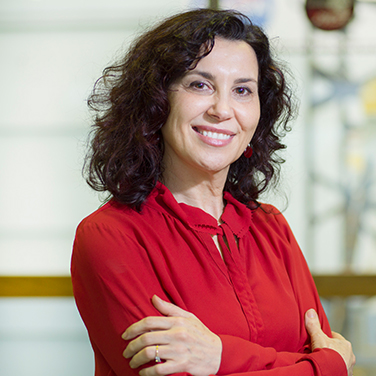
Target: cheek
(173, 119)
(250, 120)
(172, 130)
(168, 129)
(256, 116)
(176, 116)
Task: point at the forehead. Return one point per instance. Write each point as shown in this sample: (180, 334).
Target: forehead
(229, 56)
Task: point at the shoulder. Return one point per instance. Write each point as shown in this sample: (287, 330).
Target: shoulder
(107, 215)
(268, 218)
(116, 216)
(121, 226)
(102, 228)
(110, 230)
(112, 235)
(267, 212)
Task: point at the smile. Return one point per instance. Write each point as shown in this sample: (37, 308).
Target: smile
(216, 135)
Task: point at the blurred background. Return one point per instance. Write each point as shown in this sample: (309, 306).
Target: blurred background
(52, 52)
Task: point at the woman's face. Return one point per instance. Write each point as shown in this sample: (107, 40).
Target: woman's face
(215, 110)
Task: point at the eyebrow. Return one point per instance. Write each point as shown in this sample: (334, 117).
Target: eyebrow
(209, 76)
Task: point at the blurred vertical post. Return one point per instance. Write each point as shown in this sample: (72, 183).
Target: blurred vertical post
(214, 4)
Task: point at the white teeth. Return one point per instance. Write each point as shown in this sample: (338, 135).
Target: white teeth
(219, 136)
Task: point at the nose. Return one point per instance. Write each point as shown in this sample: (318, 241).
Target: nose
(220, 108)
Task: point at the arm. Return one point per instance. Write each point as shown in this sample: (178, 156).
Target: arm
(177, 335)
(114, 280)
(186, 345)
(112, 288)
(240, 355)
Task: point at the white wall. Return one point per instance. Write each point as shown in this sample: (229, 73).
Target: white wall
(52, 52)
(43, 336)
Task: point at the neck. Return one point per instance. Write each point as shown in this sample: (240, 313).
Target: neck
(202, 191)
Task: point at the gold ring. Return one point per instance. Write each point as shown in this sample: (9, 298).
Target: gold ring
(157, 358)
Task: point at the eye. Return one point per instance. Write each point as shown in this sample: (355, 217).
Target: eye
(243, 91)
(199, 85)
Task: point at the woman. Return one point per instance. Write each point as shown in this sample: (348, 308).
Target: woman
(183, 270)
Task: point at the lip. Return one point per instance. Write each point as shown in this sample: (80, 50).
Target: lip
(213, 141)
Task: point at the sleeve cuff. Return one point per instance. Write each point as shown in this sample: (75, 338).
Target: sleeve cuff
(326, 362)
(240, 356)
(236, 356)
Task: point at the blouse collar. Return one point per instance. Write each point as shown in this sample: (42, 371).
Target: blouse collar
(236, 215)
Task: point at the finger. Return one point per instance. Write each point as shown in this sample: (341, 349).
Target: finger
(146, 325)
(312, 323)
(160, 369)
(165, 368)
(146, 355)
(318, 338)
(145, 340)
(169, 309)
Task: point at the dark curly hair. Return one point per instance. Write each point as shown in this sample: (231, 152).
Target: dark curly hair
(131, 104)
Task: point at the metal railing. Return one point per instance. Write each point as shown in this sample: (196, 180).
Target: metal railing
(61, 286)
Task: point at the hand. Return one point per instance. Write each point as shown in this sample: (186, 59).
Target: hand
(320, 340)
(185, 344)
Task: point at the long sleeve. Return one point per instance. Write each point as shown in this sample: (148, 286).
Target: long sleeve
(244, 357)
(122, 258)
(112, 291)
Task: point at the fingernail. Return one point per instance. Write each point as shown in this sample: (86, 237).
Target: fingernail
(124, 335)
(311, 313)
(159, 299)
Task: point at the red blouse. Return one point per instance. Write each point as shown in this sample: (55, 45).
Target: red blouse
(254, 298)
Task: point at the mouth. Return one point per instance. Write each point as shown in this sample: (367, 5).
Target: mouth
(218, 135)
